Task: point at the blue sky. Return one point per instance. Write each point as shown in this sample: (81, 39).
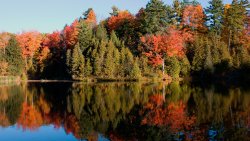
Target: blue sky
(49, 15)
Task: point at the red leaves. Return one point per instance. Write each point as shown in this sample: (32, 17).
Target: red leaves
(155, 46)
(70, 34)
(52, 40)
(174, 115)
(115, 22)
(29, 42)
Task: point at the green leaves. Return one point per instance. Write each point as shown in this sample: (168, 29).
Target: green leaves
(13, 57)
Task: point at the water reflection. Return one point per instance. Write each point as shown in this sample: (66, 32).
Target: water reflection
(128, 111)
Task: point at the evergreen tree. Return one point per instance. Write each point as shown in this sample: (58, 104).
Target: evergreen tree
(156, 17)
(215, 15)
(185, 66)
(101, 33)
(208, 64)
(88, 68)
(99, 59)
(144, 67)
(115, 39)
(115, 11)
(127, 62)
(244, 57)
(109, 65)
(174, 67)
(77, 63)
(188, 2)
(234, 19)
(199, 54)
(241, 57)
(116, 58)
(85, 36)
(135, 72)
(68, 60)
(14, 58)
(122, 62)
(177, 12)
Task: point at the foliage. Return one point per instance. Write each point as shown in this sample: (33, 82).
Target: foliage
(13, 57)
(193, 17)
(215, 15)
(184, 38)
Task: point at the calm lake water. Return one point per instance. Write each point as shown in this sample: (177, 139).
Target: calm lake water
(123, 111)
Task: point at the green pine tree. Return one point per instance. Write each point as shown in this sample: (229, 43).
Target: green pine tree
(88, 68)
(185, 66)
(215, 13)
(14, 58)
(109, 65)
(156, 17)
(85, 36)
(99, 59)
(144, 67)
(208, 64)
(174, 67)
(115, 39)
(128, 62)
(116, 58)
(77, 63)
(135, 73)
(234, 22)
(101, 33)
(199, 54)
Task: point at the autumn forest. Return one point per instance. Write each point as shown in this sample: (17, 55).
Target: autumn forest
(160, 41)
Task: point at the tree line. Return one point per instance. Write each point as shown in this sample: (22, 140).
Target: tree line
(160, 40)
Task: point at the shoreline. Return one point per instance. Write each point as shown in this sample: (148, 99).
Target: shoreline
(90, 80)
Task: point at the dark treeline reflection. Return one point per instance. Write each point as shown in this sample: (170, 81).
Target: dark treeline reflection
(129, 111)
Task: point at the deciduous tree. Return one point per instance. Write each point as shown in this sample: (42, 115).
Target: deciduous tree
(193, 17)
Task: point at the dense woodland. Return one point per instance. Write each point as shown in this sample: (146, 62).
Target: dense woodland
(160, 41)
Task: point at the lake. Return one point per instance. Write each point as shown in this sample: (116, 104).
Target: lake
(124, 111)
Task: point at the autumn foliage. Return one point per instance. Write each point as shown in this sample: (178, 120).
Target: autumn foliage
(114, 22)
(30, 118)
(52, 40)
(29, 42)
(169, 44)
(70, 34)
(193, 17)
(91, 17)
(173, 115)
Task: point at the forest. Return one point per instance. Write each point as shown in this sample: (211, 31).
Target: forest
(159, 41)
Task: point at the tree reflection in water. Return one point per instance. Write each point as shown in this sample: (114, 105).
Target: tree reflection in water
(129, 111)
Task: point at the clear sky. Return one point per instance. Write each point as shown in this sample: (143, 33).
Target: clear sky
(49, 15)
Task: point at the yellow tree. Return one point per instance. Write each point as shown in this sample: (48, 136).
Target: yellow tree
(29, 43)
(193, 17)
